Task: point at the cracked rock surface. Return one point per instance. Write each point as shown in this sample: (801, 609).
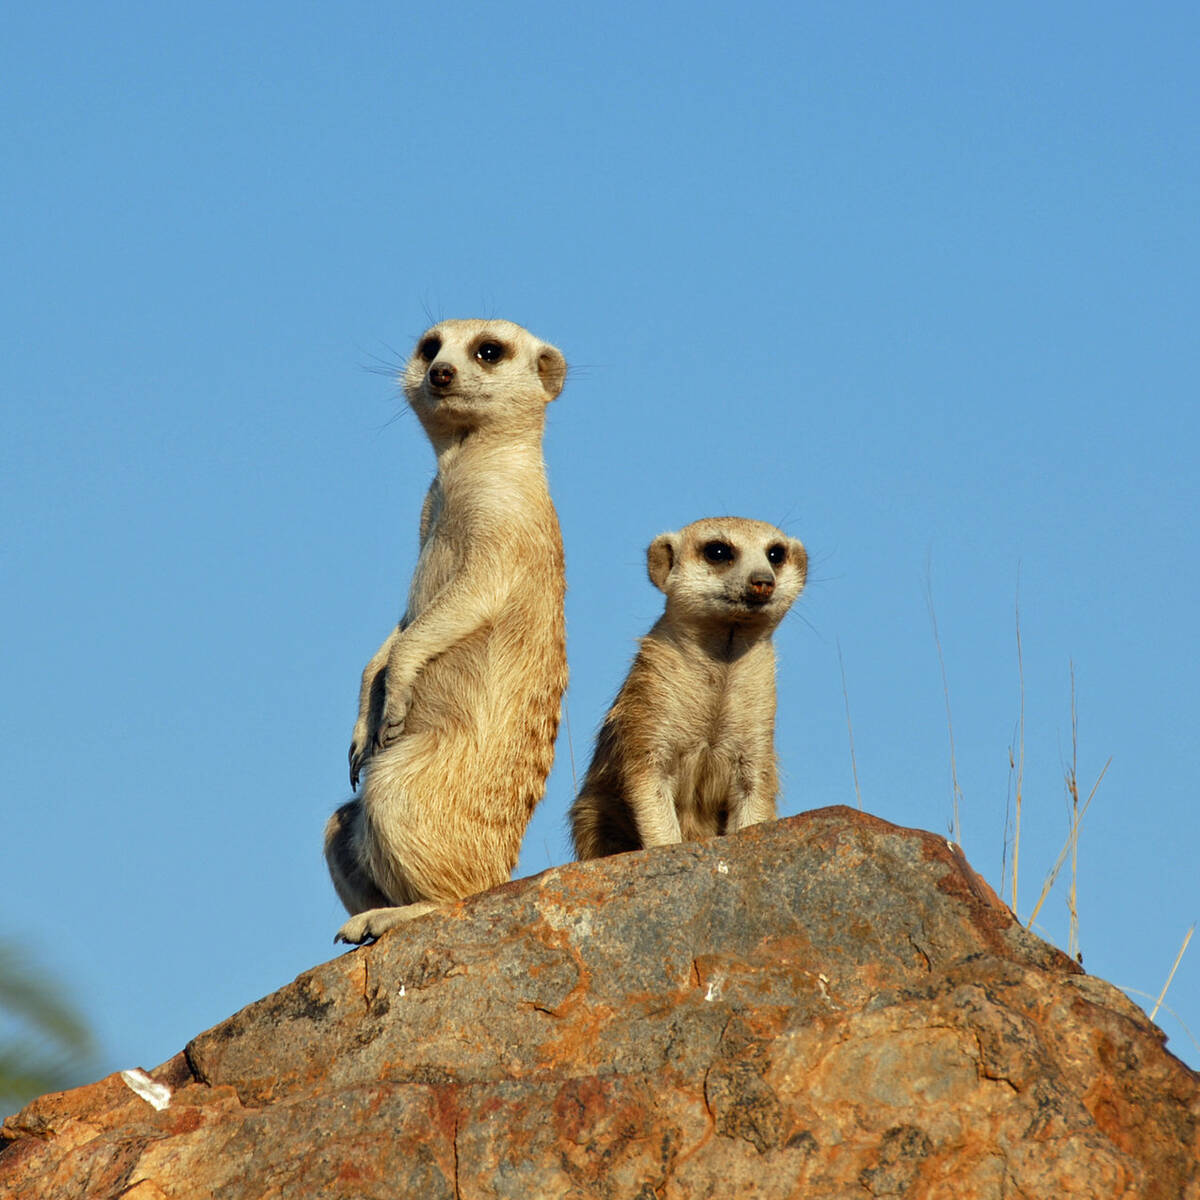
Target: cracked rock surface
(826, 1006)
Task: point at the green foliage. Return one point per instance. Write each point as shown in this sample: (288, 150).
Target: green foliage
(46, 1044)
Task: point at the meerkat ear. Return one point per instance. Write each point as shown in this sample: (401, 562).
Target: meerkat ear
(660, 558)
(552, 370)
(798, 555)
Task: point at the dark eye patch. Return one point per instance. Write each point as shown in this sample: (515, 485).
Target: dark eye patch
(429, 348)
(776, 554)
(717, 552)
(490, 352)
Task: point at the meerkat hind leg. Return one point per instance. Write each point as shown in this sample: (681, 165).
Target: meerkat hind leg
(376, 921)
(354, 885)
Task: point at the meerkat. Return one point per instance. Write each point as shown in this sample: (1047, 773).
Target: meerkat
(687, 750)
(459, 708)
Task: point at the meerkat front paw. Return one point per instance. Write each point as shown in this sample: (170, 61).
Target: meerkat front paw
(391, 720)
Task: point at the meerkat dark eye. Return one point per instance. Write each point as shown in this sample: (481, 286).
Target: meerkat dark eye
(490, 352)
(717, 552)
(776, 554)
(429, 348)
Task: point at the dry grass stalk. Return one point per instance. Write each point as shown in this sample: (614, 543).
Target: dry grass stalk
(1174, 966)
(1073, 790)
(1072, 838)
(956, 791)
(570, 747)
(849, 727)
(1020, 758)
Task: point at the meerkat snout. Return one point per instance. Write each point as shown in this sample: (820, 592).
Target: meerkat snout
(761, 586)
(441, 374)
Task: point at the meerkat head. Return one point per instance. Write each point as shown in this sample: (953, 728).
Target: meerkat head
(476, 374)
(728, 571)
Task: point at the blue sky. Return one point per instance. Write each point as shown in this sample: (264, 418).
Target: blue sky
(919, 284)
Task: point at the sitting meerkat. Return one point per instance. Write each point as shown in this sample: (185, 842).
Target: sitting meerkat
(459, 708)
(688, 748)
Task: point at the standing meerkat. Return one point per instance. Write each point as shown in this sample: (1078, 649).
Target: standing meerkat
(687, 750)
(459, 708)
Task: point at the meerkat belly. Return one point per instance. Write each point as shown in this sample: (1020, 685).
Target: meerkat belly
(705, 775)
(451, 695)
(485, 686)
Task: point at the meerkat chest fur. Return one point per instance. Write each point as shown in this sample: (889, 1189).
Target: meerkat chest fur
(485, 497)
(436, 561)
(715, 730)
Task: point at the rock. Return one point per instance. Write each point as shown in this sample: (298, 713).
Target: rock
(826, 1006)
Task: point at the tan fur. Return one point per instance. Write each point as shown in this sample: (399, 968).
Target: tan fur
(687, 750)
(459, 708)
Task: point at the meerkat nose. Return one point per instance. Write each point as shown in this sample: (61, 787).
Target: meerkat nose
(761, 584)
(441, 374)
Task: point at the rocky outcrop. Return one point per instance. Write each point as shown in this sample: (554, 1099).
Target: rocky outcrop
(827, 1006)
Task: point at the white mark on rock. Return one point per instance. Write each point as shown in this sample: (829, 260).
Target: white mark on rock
(154, 1093)
(401, 992)
(713, 991)
(950, 847)
(722, 868)
(578, 924)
